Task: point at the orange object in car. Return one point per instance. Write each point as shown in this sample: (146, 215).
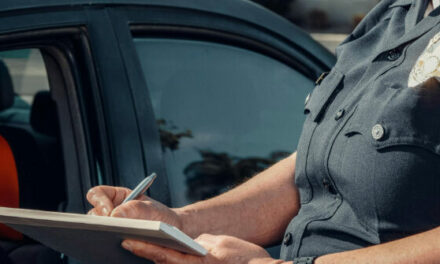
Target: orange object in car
(9, 190)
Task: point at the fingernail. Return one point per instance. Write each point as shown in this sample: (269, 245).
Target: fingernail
(92, 213)
(127, 245)
(105, 211)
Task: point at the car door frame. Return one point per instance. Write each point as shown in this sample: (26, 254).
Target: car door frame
(58, 66)
(118, 134)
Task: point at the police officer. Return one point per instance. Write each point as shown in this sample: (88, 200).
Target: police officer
(364, 185)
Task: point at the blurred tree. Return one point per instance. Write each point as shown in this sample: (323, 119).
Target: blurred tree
(169, 136)
(217, 172)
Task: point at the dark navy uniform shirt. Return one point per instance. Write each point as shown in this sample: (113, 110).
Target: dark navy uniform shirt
(368, 164)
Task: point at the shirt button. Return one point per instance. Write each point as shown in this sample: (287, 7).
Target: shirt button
(307, 99)
(393, 54)
(287, 239)
(378, 132)
(339, 114)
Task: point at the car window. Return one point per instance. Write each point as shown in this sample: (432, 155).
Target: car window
(39, 138)
(29, 131)
(224, 113)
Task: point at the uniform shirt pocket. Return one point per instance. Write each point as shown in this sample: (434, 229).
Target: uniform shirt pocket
(397, 145)
(403, 117)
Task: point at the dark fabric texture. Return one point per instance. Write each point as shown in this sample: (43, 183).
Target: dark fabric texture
(44, 117)
(4, 259)
(34, 254)
(372, 174)
(27, 252)
(6, 88)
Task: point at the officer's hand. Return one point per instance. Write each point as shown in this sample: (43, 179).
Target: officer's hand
(107, 202)
(105, 198)
(222, 250)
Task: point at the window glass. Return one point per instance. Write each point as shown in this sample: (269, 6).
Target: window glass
(224, 113)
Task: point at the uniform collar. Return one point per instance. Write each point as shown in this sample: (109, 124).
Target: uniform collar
(402, 3)
(415, 14)
(413, 29)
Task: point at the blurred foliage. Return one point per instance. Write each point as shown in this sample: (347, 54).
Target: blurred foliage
(170, 136)
(218, 172)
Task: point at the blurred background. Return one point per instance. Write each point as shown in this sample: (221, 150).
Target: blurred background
(328, 21)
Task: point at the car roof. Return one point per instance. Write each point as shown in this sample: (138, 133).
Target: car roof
(241, 9)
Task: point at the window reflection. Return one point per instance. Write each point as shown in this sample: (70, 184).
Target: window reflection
(224, 113)
(216, 173)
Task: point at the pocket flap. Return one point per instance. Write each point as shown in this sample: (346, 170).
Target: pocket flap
(398, 125)
(324, 94)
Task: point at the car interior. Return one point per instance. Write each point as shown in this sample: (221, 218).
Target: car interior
(31, 161)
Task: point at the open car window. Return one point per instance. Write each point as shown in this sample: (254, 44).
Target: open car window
(41, 135)
(30, 130)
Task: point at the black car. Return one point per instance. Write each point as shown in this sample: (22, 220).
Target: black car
(204, 93)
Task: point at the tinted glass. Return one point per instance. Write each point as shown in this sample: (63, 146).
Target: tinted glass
(224, 113)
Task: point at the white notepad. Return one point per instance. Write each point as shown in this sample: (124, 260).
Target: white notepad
(95, 239)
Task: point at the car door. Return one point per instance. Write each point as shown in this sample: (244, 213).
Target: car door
(53, 60)
(218, 89)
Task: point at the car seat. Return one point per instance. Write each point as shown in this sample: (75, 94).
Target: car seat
(9, 189)
(45, 125)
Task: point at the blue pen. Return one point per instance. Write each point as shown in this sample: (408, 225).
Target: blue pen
(141, 188)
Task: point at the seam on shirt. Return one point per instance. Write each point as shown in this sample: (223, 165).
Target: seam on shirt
(431, 146)
(376, 210)
(311, 220)
(306, 161)
(367, 227)
(332, 142)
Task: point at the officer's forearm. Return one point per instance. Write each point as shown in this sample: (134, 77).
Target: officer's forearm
(421, 248)
(257, 211)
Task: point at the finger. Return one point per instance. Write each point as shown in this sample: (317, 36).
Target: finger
(134, 209)
(92, 212)
(207, 241)
(211, 242)
(115, 194)
(105, 198)
(101, 198)
(209, 246)
(159, 255)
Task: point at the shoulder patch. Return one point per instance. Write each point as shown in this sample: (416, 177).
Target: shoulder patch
(427, 65)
